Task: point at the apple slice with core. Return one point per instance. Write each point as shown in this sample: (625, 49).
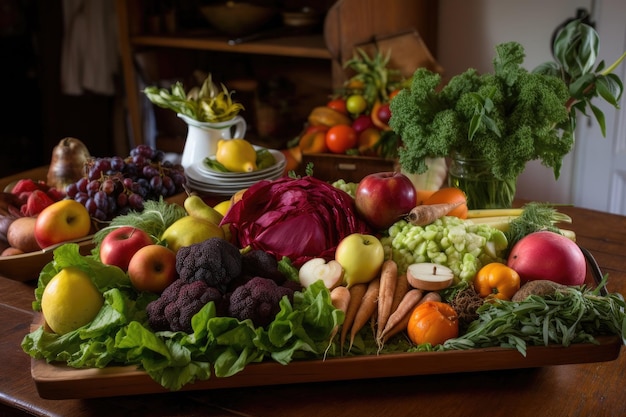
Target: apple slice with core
(429, 276)
(330, 272)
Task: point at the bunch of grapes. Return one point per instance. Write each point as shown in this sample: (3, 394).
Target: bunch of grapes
(113, 186)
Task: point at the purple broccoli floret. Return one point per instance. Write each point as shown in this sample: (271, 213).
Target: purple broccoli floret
(214, 261)
(257, 300)
(179, 302)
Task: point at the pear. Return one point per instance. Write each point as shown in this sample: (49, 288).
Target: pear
(189, 230)
(196, 207)
(67, 165)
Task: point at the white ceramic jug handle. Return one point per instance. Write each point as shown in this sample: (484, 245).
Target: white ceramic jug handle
(240, 128)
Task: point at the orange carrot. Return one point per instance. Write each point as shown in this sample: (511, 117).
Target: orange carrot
(398, 323)
(388, 283)
(402, 287)
(357, 291)
(366, 309)
(340, 297)
(425, 214)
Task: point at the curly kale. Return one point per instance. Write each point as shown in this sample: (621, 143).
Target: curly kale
(509, 117)
(179, 302)
(214, 261)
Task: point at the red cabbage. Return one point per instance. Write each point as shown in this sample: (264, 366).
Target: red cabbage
(300, 218)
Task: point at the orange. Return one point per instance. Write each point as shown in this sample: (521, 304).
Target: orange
(293, 157)
(422, 195)
(450, 195)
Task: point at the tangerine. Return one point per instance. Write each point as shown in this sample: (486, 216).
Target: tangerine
(450, 195)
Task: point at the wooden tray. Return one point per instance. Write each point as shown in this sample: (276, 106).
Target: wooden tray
(58, 381)
(61, 382)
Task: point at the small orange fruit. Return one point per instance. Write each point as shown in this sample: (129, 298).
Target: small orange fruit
(450, 195)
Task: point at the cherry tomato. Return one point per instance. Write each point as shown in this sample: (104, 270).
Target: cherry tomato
(338, 104)
(356, 104)
(340, 138)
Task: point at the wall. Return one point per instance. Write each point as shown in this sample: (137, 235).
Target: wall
(468, 33)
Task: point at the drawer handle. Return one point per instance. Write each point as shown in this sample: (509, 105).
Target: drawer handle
(346, 167)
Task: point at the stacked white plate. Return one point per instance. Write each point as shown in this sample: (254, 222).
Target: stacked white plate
(201, 177)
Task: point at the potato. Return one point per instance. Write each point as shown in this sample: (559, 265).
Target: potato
(540, 287)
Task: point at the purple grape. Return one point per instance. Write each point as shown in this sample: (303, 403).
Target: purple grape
(108, 186)
(117, 164)
(81, 184)
(135, 201)
(150, 171)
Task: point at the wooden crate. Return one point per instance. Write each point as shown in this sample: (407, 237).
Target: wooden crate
(332, 167)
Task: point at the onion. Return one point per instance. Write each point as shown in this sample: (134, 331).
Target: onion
(68, 163)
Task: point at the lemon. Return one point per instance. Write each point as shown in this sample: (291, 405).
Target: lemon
(70, 300)
(223, 207)
(237, 155)
(189, 230)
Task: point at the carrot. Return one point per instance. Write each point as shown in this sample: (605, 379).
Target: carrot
(388, 283)
(425, 214)
(402, 287)
(366, 309)
(400, 322)
(357, 291)
(340, 297)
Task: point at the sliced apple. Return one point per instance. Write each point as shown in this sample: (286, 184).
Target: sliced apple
(429, 276)
(330, 272)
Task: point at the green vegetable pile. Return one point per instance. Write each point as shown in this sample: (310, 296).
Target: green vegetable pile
(507, 117)
(571, 315)
(458, 244)
(220, 346)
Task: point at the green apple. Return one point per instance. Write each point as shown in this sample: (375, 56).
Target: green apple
(361, 257)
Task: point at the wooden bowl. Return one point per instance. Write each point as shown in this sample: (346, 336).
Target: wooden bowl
(237, 19)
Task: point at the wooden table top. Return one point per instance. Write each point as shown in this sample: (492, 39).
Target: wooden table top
(565, 390)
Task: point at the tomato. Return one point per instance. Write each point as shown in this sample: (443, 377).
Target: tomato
(340, 138)
(338, 104)
(356, 104)
(433, 322)
(496, 280)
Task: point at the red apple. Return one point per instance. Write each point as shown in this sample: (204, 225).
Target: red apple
(550, 256)
(383, 198)
(119, 246)
(152, 268)
(62, 221)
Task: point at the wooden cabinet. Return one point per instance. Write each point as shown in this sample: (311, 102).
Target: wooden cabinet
(313, 60)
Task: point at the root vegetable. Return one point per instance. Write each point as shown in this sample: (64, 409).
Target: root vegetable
(387, 289)
(425, 214)
(540, 287)
(429, 276)
(67, 165)
(400, 318)
(357, 291)
(340, 297)
(366, 309)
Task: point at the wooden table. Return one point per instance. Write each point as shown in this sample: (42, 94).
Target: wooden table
(593, 389)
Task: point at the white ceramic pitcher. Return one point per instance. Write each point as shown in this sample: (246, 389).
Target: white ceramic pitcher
(202, 137)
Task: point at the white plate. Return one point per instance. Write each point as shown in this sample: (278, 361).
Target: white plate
(280, 159)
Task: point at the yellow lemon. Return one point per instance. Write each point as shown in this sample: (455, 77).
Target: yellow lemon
(237, 155)
(70, 300)
(223, 207)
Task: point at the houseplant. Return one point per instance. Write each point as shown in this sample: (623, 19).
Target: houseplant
(490, 125)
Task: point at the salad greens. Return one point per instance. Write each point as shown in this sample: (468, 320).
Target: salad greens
(220, 346)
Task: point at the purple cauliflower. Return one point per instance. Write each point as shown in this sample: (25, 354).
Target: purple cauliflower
(258, 300)
(179, 302)
(215, 261)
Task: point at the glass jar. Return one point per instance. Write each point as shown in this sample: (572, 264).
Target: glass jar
(475, 178)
